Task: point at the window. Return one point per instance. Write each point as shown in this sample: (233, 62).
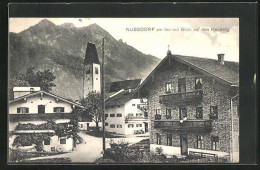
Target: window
(168, 112)
(169, 139)
(47, 142)
(130, 115)
(199, 114)
(138, 125)
(198, 83)
(58, 109)
(168, 88)
(158, 139)
(199, 142)
(81, 125)
(112, 115)
(119, 126)
(88, 70)
(139, 114)
(119, 115)
(213, 112)
(118, 106)
(23, 110)
(106, 124)
(157, 114)
(96, 70)
(183, 112)
(130, 125)
(181, 85)
(112, 126)
(53, 149)
(133, 104)
(62, 141)
(106, 115)
(214, 143)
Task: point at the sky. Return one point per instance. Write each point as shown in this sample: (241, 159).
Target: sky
(200, 37)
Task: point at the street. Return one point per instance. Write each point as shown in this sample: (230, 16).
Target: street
(91, 149)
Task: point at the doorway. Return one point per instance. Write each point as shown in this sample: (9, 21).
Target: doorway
(184, 144)
(41, 109)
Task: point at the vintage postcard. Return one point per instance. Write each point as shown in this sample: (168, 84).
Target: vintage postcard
(123, 90)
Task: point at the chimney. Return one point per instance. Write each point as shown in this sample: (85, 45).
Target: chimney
(221, 58)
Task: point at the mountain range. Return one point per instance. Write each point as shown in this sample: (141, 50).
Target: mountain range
(61, 49)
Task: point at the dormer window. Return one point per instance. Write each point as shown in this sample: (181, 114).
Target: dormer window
(31, 90)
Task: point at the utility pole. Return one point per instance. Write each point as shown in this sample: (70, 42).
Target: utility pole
(103, 96)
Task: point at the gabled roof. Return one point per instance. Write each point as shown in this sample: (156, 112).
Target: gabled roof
(91, 55)
(46, 93)
(227, 72)
(119, 99)
(126, 84)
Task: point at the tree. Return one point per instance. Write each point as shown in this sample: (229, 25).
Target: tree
(93, 107)
(43, 79)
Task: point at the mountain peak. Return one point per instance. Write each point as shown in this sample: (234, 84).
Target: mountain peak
(46, 22)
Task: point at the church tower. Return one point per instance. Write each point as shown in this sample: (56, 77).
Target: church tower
(91, 81)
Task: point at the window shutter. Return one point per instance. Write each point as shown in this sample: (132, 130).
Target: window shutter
(18, 110)
(62, 109)
(27, 110)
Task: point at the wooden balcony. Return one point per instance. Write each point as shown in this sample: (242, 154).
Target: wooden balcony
(187, 125)
(34, 116)
(181, 97)
(129, 119)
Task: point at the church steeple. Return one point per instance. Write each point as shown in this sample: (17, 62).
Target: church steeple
(91, 55)
(91, 80)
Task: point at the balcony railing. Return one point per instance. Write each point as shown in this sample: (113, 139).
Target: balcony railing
(32, 116)
(141, 118)
(187, 125)
(181, 97)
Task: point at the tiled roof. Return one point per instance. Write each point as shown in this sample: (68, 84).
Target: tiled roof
(91, 55)
(229, 71)
(119, 99)
(126, 84)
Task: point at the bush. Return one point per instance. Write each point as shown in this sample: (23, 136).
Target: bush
(158, 150)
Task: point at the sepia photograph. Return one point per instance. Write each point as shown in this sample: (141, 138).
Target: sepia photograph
(123, 90)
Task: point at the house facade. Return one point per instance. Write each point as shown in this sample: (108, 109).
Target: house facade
(36, 108)
(126, 115)
(193, 106)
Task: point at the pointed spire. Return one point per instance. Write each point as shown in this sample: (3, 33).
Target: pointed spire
(91, 55)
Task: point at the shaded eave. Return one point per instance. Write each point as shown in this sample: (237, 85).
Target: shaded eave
(187, 63)
(49, 94)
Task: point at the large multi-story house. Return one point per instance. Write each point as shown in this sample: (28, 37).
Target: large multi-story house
(124, 114)
(193, 106)
(31, 106)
